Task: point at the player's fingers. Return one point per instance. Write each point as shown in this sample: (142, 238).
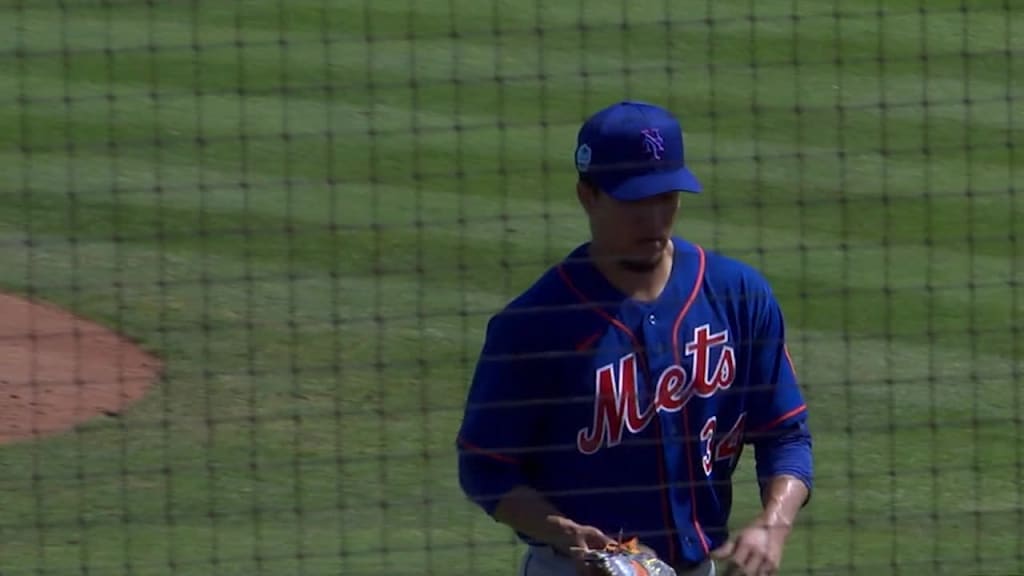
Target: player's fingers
(596, 540)
(724, 555)
(760, 563)
(724, 551)
(768, 567)
(588, 538)
(754, 564)
(745, 558)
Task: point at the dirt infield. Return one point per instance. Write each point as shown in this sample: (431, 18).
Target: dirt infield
(58, 370)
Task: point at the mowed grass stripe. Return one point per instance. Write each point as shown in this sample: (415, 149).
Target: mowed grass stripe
(270, 68)
(527, 237)
(122, 27)
(393, 160)
(357, 303)
(901, 24)
(397, 63)
(293, 244)
(266, 125)
(310, 123)
(807, 171)
(524, 226)
(809, 280)
(485, 164)
(855, 277)
(482, 157)
(949, 225)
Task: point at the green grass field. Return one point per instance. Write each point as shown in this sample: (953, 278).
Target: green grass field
(310, 208)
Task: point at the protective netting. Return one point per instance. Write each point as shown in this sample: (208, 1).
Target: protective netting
(308, 209)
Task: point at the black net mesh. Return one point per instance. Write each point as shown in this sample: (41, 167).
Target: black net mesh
(264, 238)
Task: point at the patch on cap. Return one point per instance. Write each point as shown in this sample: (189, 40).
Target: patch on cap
(583, 158)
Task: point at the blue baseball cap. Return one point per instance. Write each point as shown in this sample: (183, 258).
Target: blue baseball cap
(633, 150)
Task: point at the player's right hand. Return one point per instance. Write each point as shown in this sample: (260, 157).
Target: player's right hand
(577, 539)
(579, 536)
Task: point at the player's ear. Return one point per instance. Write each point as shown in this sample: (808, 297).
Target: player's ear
(586, 193)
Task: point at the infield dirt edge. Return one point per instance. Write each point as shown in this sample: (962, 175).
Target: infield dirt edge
(59, 370)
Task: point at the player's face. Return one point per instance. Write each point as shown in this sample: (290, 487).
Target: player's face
(637, 233)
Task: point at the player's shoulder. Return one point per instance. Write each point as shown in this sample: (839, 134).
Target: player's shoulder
(732, 273)
(733, 279)
(538, 309)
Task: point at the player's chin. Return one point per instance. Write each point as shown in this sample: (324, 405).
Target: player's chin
(643, 262)
(650, 249)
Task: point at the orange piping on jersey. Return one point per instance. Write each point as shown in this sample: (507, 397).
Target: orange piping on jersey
(588, 342)
(666, 510)
(686, 417)
(583, 298)
(781, 419)
(785, 348)
(478, 450)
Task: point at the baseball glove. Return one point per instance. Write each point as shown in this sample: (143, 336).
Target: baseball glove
(625, 559)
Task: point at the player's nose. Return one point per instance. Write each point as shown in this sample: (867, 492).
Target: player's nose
(653, 217)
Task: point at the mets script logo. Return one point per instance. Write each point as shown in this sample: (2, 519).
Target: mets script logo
(654, 144)
(617, 406)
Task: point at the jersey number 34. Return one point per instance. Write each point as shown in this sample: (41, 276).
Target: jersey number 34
(725, 448)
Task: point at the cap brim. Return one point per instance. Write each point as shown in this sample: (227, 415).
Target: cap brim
(640, 187)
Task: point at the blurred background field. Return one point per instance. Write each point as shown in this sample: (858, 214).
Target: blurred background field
(309, 209)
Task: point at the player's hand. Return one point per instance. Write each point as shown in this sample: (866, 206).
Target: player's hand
(755, 551)
(575, 539)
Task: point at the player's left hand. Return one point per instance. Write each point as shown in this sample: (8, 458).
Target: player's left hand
(755, 551)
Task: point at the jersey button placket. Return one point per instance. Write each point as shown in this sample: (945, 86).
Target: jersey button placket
(656, 341)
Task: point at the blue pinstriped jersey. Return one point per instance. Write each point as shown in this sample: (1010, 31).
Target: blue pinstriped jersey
(632, 416)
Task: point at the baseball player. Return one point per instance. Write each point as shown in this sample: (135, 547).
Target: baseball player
(614, 396)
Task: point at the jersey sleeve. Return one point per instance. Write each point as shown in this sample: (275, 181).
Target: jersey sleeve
(504, 403)
(777, 414)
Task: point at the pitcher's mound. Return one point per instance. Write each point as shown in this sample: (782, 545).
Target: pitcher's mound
(58, 370)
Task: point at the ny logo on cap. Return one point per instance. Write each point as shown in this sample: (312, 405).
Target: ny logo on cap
(654, 144)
